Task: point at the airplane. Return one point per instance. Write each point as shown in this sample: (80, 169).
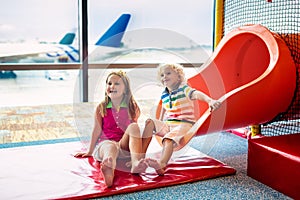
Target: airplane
(7, 55)
(64, 51)
(110, 46)
(15, 52)
(110, 43)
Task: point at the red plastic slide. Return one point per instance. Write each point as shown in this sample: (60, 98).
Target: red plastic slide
(252, 73)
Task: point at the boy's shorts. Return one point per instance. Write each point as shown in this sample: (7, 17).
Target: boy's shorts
(174, 132)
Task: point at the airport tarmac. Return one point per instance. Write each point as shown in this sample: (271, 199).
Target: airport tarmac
(33, 88)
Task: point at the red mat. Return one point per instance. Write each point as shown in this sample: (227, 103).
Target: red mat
(51, 172)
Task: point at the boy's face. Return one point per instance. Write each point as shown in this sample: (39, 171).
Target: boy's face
(115, 87)
(169, 78)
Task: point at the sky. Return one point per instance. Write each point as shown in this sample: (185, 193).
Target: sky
(46, 20)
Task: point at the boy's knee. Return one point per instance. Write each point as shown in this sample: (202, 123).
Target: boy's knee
(149, 122)
(168, 141)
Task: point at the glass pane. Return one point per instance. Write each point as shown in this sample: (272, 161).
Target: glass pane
(37, 87)
(38, 31)
(157, 31)
(154, 31)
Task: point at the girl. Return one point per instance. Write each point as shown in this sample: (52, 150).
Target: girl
(177, 115)
(115, 129)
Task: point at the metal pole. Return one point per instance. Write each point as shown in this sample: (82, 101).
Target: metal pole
(84, 50)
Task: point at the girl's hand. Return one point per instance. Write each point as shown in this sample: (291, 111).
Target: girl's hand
(82, 154)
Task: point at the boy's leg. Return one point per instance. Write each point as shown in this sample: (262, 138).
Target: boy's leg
(171, 141)
(147, 135)
(167, 151)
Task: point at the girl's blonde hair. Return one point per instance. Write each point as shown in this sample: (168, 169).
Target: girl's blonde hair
(133, 108)
(175, 66)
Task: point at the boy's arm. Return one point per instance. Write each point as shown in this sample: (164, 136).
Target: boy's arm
(162, 113)
(198, 95)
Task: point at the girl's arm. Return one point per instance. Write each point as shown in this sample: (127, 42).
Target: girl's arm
(213, 104)
(97, 130)
(137, 113)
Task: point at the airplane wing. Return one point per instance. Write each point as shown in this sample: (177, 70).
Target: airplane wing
(15, 52)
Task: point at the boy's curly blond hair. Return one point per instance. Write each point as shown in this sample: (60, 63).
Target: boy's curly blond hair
(178, 68)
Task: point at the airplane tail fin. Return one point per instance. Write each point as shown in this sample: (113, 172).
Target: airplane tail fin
(67, 39)
(113, 36)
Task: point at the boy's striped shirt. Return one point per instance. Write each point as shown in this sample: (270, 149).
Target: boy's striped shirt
(178, 104)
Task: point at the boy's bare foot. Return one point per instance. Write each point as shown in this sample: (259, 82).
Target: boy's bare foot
(138, 167)
(128, 164)
(160, 170)
(107, 171)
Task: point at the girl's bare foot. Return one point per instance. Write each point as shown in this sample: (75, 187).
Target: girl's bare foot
(138, 167)
(160, 170)
(107, 171)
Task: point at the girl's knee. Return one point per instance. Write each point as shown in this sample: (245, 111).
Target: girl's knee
(109, 146)
(109, 149)
(133, 127)
(133, 130)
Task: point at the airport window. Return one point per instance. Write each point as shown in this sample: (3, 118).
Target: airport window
(151, 32)
(35, 31)
(154, 31)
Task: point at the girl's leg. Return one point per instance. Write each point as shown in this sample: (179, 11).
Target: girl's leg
(108, 152)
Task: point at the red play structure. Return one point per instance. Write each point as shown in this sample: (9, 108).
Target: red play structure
(252, 73)
(273, 159)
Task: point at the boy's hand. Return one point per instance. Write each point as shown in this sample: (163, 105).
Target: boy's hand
(214, 104)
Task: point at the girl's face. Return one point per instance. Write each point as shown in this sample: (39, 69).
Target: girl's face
(169, 78)
(115, 87)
